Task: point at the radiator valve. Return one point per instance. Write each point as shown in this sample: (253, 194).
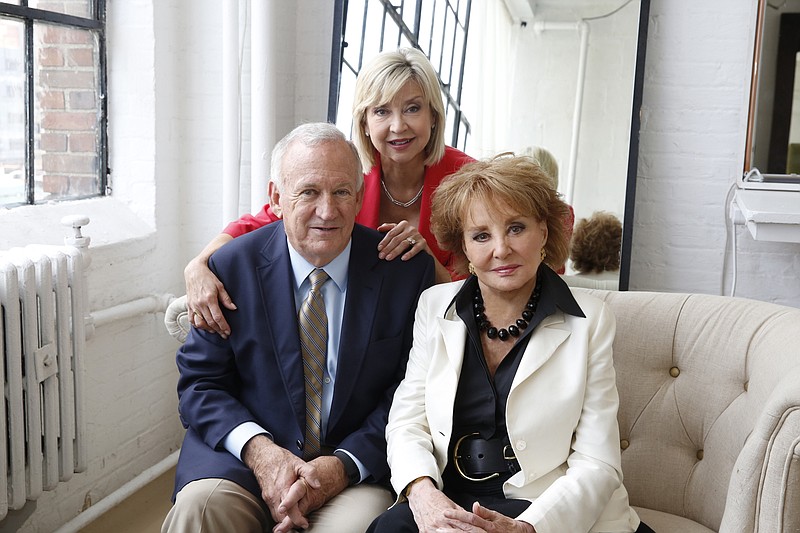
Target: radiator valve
(76, 222)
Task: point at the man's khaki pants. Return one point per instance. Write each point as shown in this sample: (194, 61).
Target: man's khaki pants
(219, 506)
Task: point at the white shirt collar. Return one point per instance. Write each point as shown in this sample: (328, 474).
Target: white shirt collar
(336, 269)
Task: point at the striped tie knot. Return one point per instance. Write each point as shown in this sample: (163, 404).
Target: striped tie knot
(317, 278)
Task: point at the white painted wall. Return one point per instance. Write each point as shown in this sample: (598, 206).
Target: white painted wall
(694, 116)
(165, 135)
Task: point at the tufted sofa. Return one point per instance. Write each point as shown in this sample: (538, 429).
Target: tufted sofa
(709, 409)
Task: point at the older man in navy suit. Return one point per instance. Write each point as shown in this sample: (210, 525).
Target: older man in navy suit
(254, 457)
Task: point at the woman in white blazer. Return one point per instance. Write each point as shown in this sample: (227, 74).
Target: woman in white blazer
(506, 428)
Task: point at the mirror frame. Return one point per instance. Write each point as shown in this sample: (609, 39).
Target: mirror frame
(754, 75)
(633, 150)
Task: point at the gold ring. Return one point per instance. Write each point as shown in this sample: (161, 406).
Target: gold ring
(198, 315)
(411, 241)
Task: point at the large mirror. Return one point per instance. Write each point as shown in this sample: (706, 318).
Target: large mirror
(565, 75)
(773, 132)
(571, 83)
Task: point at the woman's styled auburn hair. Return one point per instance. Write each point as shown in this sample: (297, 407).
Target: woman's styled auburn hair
(506, 181)
(379, 82)
(596, 243)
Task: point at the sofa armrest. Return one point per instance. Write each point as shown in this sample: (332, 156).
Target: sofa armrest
(778, 505)
(764, 490)
(791, 508)
(176, 319)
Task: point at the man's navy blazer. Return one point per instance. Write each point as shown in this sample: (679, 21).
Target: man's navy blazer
(257, 373)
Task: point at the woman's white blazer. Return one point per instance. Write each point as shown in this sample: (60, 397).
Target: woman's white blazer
(561, 415)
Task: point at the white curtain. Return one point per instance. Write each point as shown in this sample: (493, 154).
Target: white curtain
(489, 77)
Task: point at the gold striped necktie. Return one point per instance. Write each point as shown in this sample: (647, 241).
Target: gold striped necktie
(313, 324)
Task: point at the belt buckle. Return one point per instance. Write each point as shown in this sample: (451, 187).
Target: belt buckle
(456, 457)
(508, 453)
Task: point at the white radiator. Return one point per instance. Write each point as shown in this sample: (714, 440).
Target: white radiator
(42, 340)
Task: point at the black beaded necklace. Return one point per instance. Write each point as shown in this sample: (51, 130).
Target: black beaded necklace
(514, 330)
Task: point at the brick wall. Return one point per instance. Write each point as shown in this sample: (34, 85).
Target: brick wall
(67, 112)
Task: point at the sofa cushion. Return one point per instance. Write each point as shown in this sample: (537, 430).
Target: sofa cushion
(665, 522)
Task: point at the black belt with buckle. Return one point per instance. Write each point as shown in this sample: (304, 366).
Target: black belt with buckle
(478, 459)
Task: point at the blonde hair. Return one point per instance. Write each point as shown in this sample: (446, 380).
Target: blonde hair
(596, 243)
(546, 160)
(379, 82)
(516, 181)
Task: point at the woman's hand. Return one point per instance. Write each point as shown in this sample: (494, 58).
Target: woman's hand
(429, 505)
(204, 292)
(405, 241)
(482, 519)
(402, 240)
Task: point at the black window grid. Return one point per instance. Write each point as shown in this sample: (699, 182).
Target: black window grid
(97, 22)
(439, 28)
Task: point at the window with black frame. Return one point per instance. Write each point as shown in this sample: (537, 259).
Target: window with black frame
(364, 28)
(53, 106)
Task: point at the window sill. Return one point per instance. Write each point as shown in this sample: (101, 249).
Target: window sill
(110, 222)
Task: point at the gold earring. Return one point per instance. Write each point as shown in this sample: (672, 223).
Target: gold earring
(543, 254)
(471, 269)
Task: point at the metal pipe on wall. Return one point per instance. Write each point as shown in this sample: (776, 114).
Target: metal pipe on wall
(583, 30)
(582, 27)
(154, 303)
(231, 112)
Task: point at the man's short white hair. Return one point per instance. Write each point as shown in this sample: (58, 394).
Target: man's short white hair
(311, 134)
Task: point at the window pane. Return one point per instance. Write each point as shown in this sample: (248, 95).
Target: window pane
(66, 113)
(437, 36)
(463, 136)
(458, 51)
(354, 25)
(463, 9)
(409, 12)
(447, 48)
(78, 8)
(391, 37)
(371, 39)
(425, 26)
(12, 112)
(449, 122)
(344, 115)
